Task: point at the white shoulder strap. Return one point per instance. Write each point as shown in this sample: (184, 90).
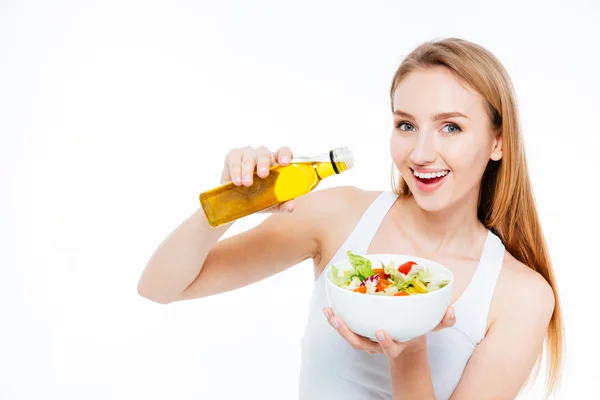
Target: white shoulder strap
(477, 298)
(361, 237)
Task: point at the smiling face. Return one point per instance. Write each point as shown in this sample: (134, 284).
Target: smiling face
(442, 139)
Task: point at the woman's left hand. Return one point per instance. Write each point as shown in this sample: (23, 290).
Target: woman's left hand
(385, 343)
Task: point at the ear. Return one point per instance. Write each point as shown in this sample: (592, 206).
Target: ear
(496, 154)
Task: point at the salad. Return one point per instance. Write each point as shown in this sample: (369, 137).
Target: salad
(405, 279)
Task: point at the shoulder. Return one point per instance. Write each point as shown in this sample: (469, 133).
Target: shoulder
(320, 210)
(525, 293)
(337, 206)
(332, 214)
(339, 200)
(332, 204)
(347, 192)
(325, 207)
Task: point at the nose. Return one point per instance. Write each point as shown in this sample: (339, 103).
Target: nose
(424, 152)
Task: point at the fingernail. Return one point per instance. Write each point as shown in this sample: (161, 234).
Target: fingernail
(284, 159)
(247, 178)
(262, 170)
(452, 316)
(238, 179)
(326, 314)
(336, 323)
(380, 336)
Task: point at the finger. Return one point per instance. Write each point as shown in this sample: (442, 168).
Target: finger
(389, 347)
(357, 342)
(283, 155)
(234, 160)
(286, 207)
(289, 206)
(264, 158)
(248, 164)
(448, 321)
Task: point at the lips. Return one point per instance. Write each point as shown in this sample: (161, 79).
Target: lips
(429, 181)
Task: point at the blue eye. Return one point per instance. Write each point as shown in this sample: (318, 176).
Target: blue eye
(451, 128)
(405, 126)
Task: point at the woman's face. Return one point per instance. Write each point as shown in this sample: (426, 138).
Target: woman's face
(442, 139)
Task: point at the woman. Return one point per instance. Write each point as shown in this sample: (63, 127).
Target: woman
(464, 199)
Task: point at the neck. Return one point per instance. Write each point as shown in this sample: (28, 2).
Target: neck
(449, 231)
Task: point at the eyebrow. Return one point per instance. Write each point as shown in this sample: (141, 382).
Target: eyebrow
(434, 117)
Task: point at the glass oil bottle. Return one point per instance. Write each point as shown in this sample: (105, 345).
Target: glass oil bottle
(228, 202)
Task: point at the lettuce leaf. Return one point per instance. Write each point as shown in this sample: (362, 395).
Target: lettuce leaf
(390, 268)
(436, 285)
(402, 285)
(391, 290)
(361, 265)
(342, 280)
(425, 275)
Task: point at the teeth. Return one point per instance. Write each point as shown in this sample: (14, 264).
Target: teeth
(429, 175)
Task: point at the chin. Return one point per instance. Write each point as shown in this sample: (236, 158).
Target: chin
(431, 195)
(430, 203)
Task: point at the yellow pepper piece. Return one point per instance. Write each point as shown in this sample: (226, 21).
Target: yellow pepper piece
(419, 287)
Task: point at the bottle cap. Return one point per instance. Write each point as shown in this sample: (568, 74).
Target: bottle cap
(342, 159)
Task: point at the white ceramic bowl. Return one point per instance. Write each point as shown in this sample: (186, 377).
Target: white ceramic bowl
(403, 317)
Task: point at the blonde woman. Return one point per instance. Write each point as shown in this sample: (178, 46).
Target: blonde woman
(464, 199)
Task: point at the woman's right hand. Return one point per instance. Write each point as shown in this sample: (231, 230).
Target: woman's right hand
(240, 165)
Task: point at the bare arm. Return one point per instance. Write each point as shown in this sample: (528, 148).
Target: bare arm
(179, 259)
(502, 362)
(193, 262)
(278, 243)
(410, 373)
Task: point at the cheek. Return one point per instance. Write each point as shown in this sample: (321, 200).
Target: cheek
(400, 150)
(466, 156)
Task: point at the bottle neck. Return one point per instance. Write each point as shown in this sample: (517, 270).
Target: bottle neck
(325, 169)
(326, 164)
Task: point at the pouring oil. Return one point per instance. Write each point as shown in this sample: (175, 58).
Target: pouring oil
(228, 202)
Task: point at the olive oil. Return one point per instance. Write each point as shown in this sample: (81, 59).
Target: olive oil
(228, 202)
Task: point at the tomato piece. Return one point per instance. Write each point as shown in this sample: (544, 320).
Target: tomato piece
(406, 267)
(382, 284)
(361, 289)
(403, 293)
(380, 273)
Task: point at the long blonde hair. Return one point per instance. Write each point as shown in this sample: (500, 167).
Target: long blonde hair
(506, 203)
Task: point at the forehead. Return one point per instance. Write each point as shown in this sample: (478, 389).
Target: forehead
(432, 90)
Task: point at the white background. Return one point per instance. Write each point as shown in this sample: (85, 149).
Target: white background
(115, 115)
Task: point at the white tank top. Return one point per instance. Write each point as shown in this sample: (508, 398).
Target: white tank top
(331, 369)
